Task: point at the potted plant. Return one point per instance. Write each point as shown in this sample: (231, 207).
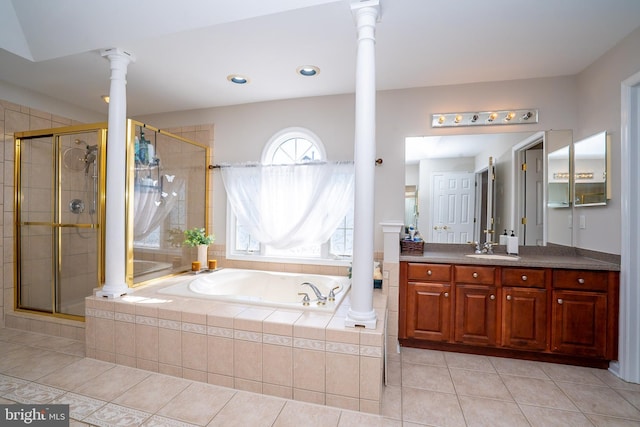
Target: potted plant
(197, 237)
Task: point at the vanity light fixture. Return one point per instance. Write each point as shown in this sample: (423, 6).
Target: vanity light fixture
(308, 70)
(484, 118)
(237, 79)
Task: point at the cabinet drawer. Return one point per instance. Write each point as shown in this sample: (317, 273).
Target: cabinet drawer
(580, 279)
(523, 277)
(475, 274)
(429, 272)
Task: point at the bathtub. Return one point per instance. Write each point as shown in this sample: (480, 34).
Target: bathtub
(267, 288)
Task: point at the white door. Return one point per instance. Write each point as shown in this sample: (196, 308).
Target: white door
(452, 206)
(534, 198)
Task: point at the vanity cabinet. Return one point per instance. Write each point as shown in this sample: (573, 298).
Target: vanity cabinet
(524, 308)
(476, 305)
(579, 314)
(429, 301)
(538, 313)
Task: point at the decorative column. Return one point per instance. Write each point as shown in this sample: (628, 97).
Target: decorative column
(115, 283)
(361, 312)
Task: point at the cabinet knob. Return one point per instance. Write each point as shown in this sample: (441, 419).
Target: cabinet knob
(429, 273)
(581, 281)
(560, 301)
(492, 297)
(508, 297)
(475, 275)
(524, 278)
(446, 294)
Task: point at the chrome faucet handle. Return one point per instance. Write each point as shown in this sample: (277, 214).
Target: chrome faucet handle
(477, 245)
(488, 246)
(332, 294)
(305, 299)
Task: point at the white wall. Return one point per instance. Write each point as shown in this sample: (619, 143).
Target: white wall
(241, 131)
(599, 109)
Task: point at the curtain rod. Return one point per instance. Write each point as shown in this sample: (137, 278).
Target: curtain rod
(253, 165)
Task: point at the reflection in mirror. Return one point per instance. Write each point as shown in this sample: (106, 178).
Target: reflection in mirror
(590, 166)
(169, 194)
(558, 178)
(411, 205)
(446, 170)
(428, 160)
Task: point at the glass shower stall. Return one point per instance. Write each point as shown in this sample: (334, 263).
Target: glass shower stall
(59, 209)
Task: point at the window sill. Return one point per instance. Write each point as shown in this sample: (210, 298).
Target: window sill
(335, 262)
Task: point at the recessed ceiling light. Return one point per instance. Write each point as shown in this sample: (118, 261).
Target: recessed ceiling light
(237, 79)
(308, 70)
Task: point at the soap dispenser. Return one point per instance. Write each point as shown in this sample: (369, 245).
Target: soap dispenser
(503, 238)
(512, 244)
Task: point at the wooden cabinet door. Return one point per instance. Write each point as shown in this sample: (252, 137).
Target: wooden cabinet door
(524, 318)
(475, 314)
(579, 323)
(429, 311)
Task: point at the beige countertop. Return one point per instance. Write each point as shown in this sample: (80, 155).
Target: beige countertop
(545, 257)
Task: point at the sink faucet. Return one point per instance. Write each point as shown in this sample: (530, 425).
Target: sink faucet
(321, 298)
(488, 248)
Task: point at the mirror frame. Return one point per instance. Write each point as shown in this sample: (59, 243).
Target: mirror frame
(587, 174)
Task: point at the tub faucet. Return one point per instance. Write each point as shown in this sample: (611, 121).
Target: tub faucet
(321, 298)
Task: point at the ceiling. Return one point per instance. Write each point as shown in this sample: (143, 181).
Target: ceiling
(185, 50)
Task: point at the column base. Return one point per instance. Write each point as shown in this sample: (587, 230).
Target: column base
(113, 291)
(369, 320)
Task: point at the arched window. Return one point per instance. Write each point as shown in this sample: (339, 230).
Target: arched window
(292, 146)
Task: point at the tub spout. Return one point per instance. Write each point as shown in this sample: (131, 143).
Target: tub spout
(321, 298)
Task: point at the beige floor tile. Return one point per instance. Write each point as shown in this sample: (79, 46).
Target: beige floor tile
(426, 357)
(534, 391)
(41, 364)
(112, 383)
(480, 384)
(34, 393)
(602, 421)
(522, 368)
(573, 374)
(482, 412)
(296, 414)
(75, 374)
(392, 402)
(152, 393)
(394, 372)
(198, 403)
(359, 419)
(428, 377)
(599, 400)
(264, 411)
(614, 382)
(431, 408)
(471, 362)
(9, 384)
(547, 417)
(159, 421)
(631, 396)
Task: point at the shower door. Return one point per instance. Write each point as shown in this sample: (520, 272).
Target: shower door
(59, 209)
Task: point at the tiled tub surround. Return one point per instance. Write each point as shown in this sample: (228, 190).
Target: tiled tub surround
(306, 356)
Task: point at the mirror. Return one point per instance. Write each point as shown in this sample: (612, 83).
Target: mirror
(558, 173)
(464, 161)
(590, 166)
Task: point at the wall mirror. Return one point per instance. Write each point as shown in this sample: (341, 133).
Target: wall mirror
(476, 174)
(590, 170)
(558, 173)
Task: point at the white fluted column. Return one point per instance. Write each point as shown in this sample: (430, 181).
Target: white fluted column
(115, 283)
(361, 312)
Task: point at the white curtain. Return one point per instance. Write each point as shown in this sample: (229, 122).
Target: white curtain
(151, 205)
(287, 206)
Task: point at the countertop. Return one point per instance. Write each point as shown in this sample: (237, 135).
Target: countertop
(544, 257)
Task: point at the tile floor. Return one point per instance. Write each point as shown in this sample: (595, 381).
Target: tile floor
(426, 387)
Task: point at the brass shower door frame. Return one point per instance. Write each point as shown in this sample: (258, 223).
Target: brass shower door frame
(55, 134)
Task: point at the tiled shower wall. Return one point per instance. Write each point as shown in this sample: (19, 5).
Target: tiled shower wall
(17, 118)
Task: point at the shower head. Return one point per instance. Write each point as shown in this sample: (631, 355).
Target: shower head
(89, 158)
(92, 148)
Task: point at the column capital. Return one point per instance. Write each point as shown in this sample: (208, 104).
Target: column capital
(116, 52)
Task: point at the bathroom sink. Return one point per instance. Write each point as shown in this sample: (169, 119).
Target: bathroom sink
(495, 257)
